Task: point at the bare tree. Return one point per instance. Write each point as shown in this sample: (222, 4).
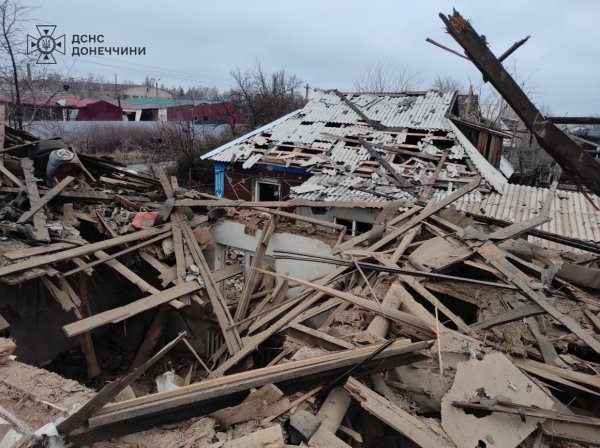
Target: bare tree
(266, 96)
(447, 84)
(12, 43)
(384, 76)
(202, 93)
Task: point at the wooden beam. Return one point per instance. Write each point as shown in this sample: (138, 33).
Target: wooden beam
(399, 316)
(399, 180)
(37, 250)
(505, 317)
(290, 377)
(570, 156)
(130, 310)
(366, 236)
(432, 207)
(433, 178)
(318, 338)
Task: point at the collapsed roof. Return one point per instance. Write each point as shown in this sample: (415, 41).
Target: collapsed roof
(411, 132)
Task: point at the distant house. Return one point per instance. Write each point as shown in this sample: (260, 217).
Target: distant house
(170, 109)
(145, 92)
(65, 108)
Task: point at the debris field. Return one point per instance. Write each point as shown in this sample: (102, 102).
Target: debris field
(201, 321)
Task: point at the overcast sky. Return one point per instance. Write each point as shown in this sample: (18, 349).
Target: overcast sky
(329, 43)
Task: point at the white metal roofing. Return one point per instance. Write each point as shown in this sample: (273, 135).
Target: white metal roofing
(427, 111)
(572, 214)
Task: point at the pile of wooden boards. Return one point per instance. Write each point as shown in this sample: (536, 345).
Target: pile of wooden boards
(428, 330)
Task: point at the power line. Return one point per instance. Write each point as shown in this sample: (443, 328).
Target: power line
(162, 69)
(165, 75)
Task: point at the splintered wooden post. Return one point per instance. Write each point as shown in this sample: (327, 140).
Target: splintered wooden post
(439, 341)
(86, 341)
(39, 218)
(230, 333)
(257, 260)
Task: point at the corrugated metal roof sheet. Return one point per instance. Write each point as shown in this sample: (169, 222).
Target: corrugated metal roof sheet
(428, 111)
(572, 214)
(343, 187)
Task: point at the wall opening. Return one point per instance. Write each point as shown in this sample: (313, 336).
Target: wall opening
(267, 191)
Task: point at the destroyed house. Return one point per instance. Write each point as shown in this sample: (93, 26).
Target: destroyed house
(377, 148)
(355, 147)
(200, 320)
(136, 312)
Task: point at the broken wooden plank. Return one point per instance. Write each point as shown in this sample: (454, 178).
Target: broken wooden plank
(131, 309)
(37, 205)
(419, 430)
(79, 251)
(397, 178)
(258, 404)
(433, 300)
(593, 318)
(366, 236)
(433, 178)
(552, 373)
(317, 338)
(432, 207)
(230, 333)
(61, 297)
(128, 204)
(37, 250)
(134, 278)
(293, 310)
(290, 377)
(14, 179)
(39, 218)
(529, 411)
(399, 316)
(571, 157)
(180, 264)
(506, 317)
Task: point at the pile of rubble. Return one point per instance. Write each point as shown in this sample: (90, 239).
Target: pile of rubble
(429, 330)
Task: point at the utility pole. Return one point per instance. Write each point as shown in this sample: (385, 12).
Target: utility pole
(306, 94)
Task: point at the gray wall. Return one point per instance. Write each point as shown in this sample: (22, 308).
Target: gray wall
(232, 234)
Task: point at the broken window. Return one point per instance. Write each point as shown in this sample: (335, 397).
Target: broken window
(354, 227)
(267, 191)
